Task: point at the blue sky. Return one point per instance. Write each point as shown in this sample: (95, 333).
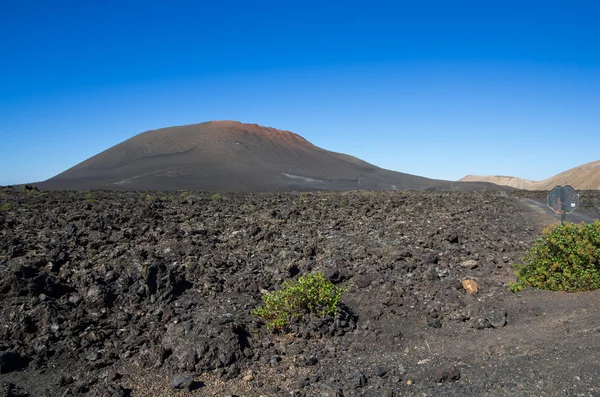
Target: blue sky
(434, 88)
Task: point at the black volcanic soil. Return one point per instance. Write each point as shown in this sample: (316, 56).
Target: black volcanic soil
(117, 294)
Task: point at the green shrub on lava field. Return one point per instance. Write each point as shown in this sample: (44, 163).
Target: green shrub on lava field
(310, 293)
(565, 258)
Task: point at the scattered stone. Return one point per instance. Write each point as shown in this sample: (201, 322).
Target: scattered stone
(400, 370)
(309, 361)
(302, 383)
(248, 377)
(470, 286)
(183, 381)
(429, 258)
(380, 371)
(481, 323)
(332, 391)
(452, 238)
(469, 264)
(93, 356)
(275, 361)
(444, 374)
(497, 318)
(357, 380)
(435, 322)
(332, 275)
(363, 282)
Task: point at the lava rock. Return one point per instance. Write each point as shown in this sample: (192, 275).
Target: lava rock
(496, 318)
(310, 361)
(333, 275)
(429, 258)
(444, 374)
(452, 238)
(469, 264)
(380, 371)
(183, 381)
(357, 380)
(434, 322)
(481, 323)
(366, 280)
(470, 286)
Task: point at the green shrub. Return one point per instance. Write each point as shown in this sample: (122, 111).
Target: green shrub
(147, 197)
(216, 196)
(6, 207)
(565, 258)
(310, 293)
(89, 197)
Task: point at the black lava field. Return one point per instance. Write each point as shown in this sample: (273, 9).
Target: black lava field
(140, 294)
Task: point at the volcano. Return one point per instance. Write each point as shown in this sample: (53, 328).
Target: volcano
(237, 157)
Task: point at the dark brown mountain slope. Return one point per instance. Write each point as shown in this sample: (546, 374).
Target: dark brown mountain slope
(232, 156)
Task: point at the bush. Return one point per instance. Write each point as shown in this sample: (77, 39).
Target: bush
(565, 258)
(89, 197)
(310, 293)
(6, 207)
(147, 197)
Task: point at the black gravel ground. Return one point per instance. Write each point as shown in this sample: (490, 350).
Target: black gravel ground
(116, 294)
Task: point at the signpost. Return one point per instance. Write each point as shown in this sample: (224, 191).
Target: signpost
(563, 200)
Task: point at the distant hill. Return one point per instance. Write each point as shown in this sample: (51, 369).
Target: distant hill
(583, 177)
(232, 156)
(511, 181)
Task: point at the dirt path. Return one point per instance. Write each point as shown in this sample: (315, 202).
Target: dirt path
(544, 216)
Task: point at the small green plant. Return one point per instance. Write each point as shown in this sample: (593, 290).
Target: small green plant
(310, 293)
(216, 196)
(89, 198)
(146, 197)
(6, 207)
(565, 258)
(184, 195)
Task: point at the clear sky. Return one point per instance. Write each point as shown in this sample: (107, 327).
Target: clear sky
(434, 88)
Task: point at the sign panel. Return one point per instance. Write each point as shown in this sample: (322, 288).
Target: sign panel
(563, 199)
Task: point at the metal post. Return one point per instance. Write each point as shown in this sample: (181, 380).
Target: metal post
(563, 215)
